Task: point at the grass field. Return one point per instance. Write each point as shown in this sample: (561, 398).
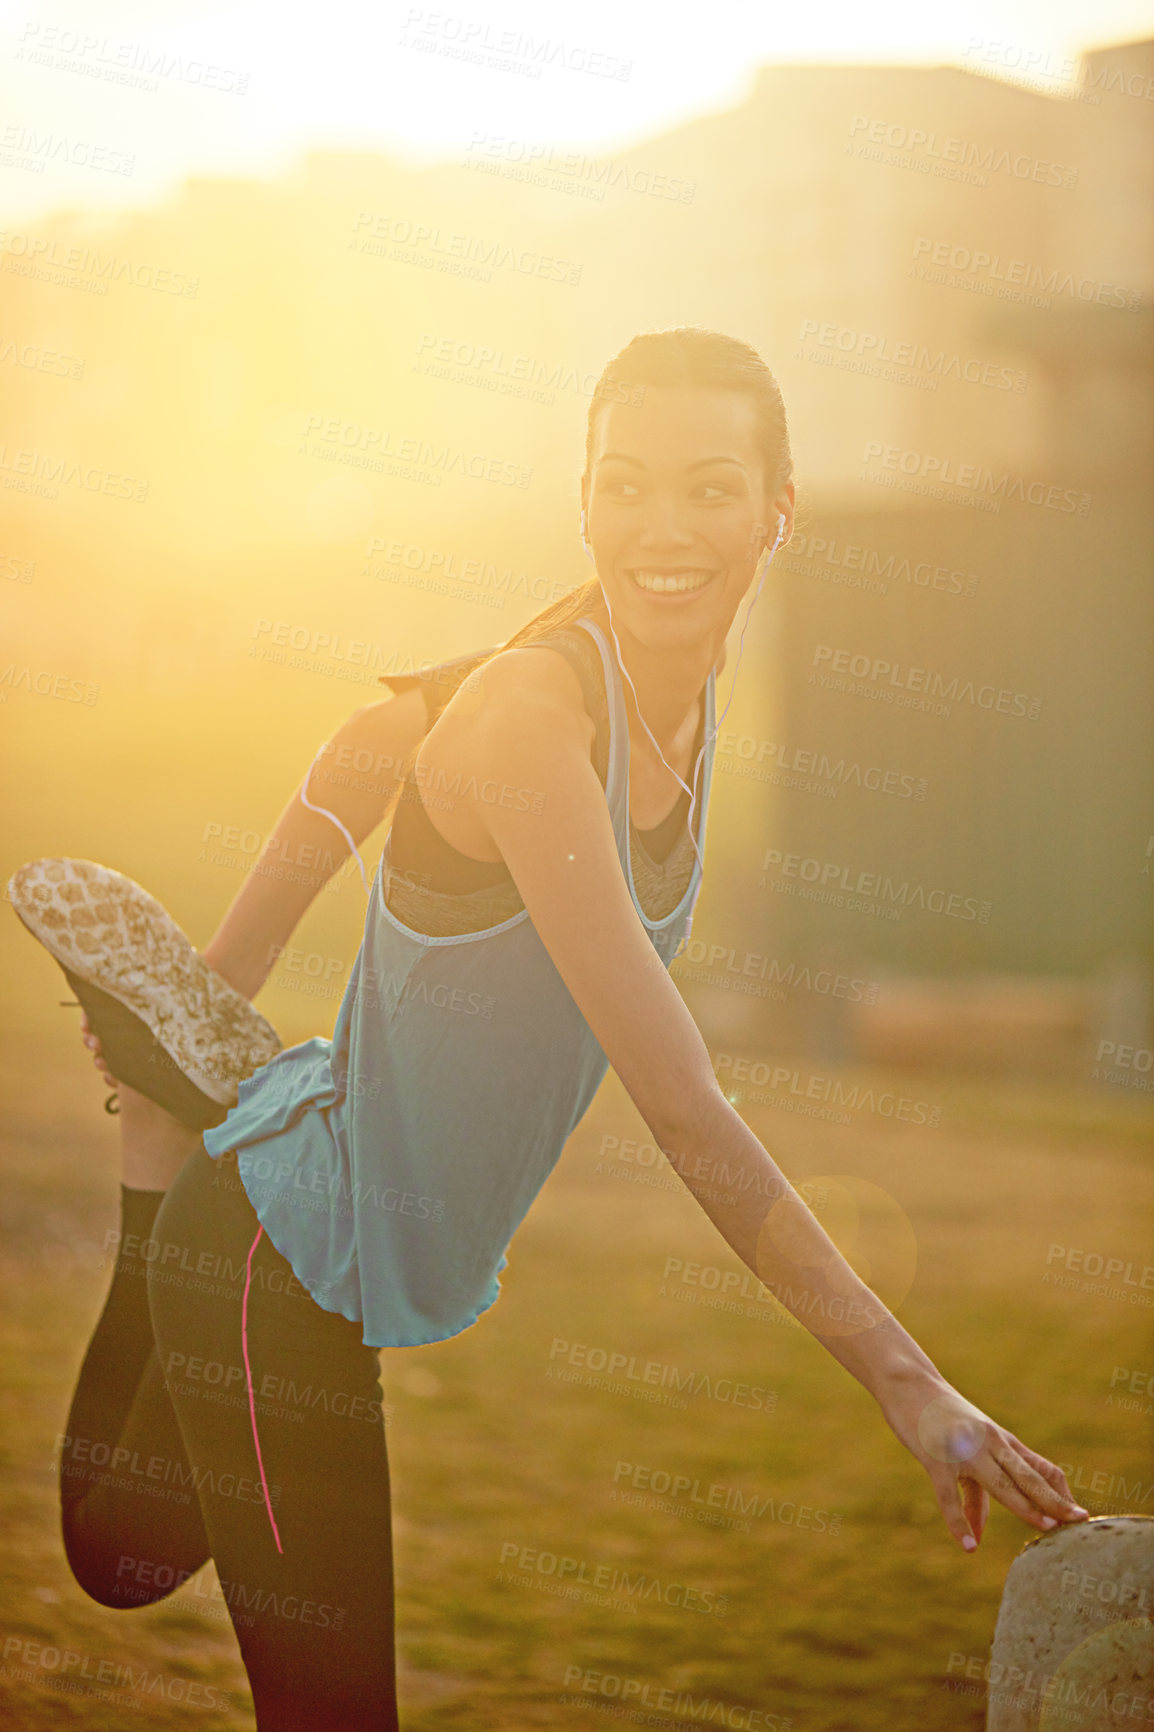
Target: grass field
(844, 1618)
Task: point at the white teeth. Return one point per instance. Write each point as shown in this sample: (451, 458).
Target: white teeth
(656, 581)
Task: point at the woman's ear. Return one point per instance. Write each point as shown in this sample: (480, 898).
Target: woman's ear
(786, 505)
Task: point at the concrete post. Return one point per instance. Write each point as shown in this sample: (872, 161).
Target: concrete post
(1074, 1644)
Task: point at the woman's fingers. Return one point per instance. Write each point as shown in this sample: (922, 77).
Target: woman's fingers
(969, 1459)
(948, 1491)
(1042, 1479)
(1026, 1483)
(976, 1504)
(964, 1499)
(1049, 1470)
(1018, 1485)
(92, 1042)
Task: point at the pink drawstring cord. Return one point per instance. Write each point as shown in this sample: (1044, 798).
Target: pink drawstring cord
(248, 1379)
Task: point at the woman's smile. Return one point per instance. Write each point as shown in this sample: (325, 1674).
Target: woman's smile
(670, 580)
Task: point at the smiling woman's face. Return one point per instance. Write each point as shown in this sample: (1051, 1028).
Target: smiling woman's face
(677, 513)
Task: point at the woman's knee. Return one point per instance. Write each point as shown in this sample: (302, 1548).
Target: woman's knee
(114, 1577)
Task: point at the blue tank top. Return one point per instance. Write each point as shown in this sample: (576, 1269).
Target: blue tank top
(392, 1165)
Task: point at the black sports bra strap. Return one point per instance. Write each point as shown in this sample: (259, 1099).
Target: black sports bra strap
(581, 653)
(417, 847)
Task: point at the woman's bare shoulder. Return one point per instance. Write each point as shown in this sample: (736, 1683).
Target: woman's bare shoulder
(518, 685)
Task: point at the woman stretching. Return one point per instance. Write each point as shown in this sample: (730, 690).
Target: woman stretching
(549, 803)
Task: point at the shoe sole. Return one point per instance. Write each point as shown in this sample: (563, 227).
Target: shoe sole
(105, 929)
(138, 1061)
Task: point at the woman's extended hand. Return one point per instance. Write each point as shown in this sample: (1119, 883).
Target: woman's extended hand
(968, 1457)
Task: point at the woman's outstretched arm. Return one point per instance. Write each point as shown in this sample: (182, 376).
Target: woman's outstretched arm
(524, 725)
(374, 744)
(355, 778)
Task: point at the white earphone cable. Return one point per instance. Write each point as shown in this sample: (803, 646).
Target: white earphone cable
(327, 814)
(692, 792)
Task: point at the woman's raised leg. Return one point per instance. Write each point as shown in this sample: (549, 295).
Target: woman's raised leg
(125, 1482)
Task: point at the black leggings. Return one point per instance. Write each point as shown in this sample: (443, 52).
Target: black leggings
(159, 1467)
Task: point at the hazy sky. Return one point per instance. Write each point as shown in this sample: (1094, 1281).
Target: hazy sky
(107, 106)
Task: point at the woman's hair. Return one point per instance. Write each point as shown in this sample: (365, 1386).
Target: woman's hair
(685, 356)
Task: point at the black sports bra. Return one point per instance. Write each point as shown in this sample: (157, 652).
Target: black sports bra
(417, 848)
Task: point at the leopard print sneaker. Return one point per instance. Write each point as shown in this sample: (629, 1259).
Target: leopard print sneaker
(108, 933)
